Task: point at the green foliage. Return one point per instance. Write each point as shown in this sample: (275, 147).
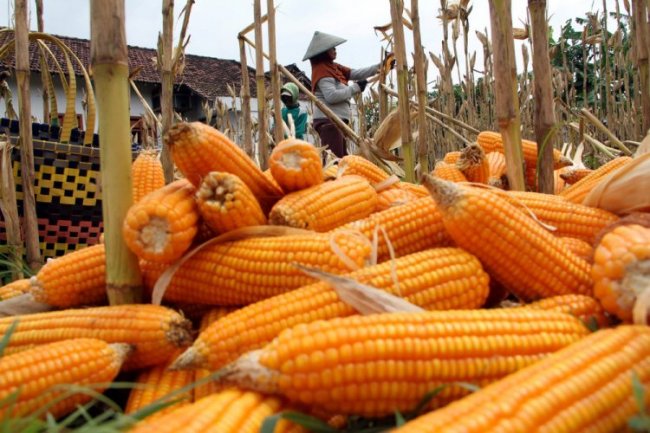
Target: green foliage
(9, 267)
(641, 422)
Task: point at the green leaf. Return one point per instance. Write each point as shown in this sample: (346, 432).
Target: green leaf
(639, 393)
(592, 324)
(424, 402)
(399, 419)
(640, 424)
(5, 338)
(311, 423)
(468, 386)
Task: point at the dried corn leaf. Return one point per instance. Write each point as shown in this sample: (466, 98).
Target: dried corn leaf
(644, 147)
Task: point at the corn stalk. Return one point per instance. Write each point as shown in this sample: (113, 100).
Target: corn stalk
(263, 141)
(110, 65)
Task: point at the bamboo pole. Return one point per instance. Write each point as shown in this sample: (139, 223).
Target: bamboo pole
(262, 136)
(396, 8)
(245, 94)
(275, 75)
(545, 131)
(30, 222)
(421, 87)
(640, 10)
(167, 84)
(507, 102)
(110, 65)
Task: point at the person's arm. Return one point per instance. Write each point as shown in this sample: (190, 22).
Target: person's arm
(332, 95)
(363, 73)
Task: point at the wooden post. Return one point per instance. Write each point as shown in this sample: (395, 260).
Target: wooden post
(110, 65)
(544, 111)
(262, 123)
(396, 8)
(30, 223)
(421, 87)
(275, 75)
(245, 93)
(167, 85)
(507, 101)
(640, 10)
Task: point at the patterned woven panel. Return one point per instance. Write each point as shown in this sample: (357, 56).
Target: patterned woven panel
(68, 202)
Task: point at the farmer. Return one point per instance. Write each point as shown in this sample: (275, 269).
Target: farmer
(289, 97)
(329, 82)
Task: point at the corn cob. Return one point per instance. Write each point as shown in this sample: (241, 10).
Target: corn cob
(296, 165)
(579, 190)
(249, 270)
(225, 203)
(492, 141)
(529, 261)
(393, 197)
(497, 163)
(373, 365)
(436, 279)
(449, 172)
(154, 385)
(15, 288)
(569, 219)
(154, 332)
(230, 411)
(621, 269)
(558, 182)
(34, 375)
(572, 175)
(451, 157)
(579, 247)
(147, 174)
(412, 227)
(197, 149)
(585, 387)
(75, 279)
(585, 308)
(162, 226)
(326, 206)
(330, 172)
(417, 190)
(360, 166)
(473, 164)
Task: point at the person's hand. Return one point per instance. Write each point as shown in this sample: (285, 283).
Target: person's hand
(362, 85)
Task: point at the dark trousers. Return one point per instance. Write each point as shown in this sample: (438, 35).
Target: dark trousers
(331, 136)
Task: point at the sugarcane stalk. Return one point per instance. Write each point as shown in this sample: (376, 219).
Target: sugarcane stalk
(278, 131)
(421, 87)
(507, 102)
(165, 45)
(30, 222)
(245, 94)
(545, 131)
(396, 8)
(110, 65)
(263, 141)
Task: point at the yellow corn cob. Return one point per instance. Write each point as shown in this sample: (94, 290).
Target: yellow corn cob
(579, 190)
(377, 364)
(621, 268)
(585, 308)
(15, 288)
(514, 249)
(497, 163)
(558, 182)
(355, 164)
(154, 332)
(330, 172)
(569, 219)
(585, 387)
(296, 165)
(436, 279)
(154, 384)
(42, 375)
(417, 190)
(326, 206)
(75, 279)
(147, 174)
(579, 247)
(572, 175)
(412, 227)
(492, 141)
(448, 172)
(162, 226)
(230, 411)
(225, 203)
(451, 157)
(393, 197)
(249, 270)
(197, 149)
(473, 164)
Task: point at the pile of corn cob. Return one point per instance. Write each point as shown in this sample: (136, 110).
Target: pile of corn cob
(528, 297)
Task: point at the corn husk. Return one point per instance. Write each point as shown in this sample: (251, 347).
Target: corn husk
(624, 191)
(644, 147)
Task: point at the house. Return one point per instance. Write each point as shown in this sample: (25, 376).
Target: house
(203, 79)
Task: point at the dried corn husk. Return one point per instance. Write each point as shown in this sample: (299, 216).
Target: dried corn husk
(644, 147)
(626, 190)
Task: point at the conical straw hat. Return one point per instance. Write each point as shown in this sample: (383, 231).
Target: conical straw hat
(320, 43)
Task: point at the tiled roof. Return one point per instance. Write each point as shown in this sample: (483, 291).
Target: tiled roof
(207, 76)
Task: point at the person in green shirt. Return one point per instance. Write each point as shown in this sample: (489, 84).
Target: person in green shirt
(289, 96)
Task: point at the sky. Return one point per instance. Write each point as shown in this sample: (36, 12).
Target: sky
(214, 25)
